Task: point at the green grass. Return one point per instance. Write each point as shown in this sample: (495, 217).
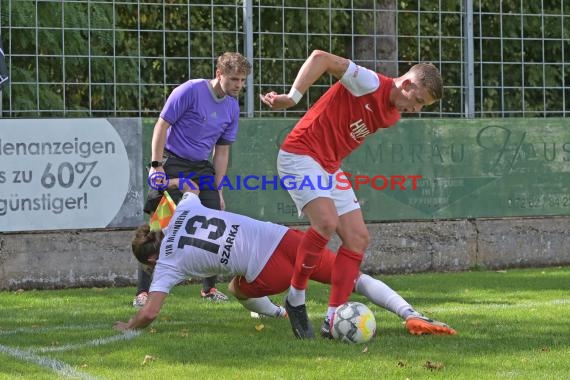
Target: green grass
(511, 325)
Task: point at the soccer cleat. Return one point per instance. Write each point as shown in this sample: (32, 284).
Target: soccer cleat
(420, 325)
(326, 329)
(140, 300)
(213, 295)
(299, 321)
(280, 313)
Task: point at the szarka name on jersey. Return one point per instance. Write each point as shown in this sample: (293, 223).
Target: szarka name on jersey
(229, 244)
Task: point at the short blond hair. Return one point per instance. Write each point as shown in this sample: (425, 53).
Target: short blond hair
(230, 63)
(429, 78)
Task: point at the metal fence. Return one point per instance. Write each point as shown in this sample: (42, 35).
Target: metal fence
(498, 59)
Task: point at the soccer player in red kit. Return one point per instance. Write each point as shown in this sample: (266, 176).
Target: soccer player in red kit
(200, 241)
(357, 105)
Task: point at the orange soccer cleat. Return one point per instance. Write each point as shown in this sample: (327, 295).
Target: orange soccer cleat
(420, 325)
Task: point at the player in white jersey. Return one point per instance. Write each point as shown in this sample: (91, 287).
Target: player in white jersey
(260, 255)
(203, 242)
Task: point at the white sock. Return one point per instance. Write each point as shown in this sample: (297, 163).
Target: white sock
(382, 295)
(262, 305)
(296, 297)
(330, 312)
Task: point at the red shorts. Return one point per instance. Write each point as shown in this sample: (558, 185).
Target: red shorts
(276, 276)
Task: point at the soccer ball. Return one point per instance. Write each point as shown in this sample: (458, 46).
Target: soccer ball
(353, 322)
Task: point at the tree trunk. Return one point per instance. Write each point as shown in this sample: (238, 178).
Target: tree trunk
(380, 50)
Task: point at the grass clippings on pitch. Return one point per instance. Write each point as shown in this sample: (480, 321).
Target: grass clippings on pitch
(511, 324)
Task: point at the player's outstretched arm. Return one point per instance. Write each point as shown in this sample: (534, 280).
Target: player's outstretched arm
(318, 63)
(146, 314)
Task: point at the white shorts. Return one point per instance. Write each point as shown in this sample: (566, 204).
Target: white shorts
(306, 180)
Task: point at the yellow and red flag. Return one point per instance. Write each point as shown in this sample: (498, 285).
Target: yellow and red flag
(163, 213)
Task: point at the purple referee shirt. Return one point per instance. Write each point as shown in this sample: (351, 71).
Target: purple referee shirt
(198, 120)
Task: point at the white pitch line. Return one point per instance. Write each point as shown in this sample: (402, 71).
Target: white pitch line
(95, 342)
(55, 365)
(72, 327)
(52, 328)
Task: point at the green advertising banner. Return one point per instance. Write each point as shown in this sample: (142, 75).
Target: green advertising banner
(422, 169)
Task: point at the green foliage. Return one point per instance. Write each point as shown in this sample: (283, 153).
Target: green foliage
(515, 46)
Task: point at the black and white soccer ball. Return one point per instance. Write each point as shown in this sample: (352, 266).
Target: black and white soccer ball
(353, 322)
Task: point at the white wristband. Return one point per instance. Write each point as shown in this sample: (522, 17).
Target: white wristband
(295, 95)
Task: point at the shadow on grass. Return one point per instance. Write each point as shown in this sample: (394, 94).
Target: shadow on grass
(490, 310)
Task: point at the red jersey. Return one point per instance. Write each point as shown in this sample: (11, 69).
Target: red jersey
(338, 123)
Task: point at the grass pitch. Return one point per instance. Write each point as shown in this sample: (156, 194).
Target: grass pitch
(511, 325)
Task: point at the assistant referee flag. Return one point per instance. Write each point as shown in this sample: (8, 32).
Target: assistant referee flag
(163, 213)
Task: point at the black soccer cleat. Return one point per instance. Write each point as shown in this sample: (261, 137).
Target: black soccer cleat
(299, 321)
(326, 329)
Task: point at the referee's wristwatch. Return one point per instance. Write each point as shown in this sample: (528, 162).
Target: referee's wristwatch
(155, 164)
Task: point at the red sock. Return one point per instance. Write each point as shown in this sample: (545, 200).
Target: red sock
(344, 273)
(309, 256)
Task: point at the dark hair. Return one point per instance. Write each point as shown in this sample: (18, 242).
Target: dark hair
(146, 243)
